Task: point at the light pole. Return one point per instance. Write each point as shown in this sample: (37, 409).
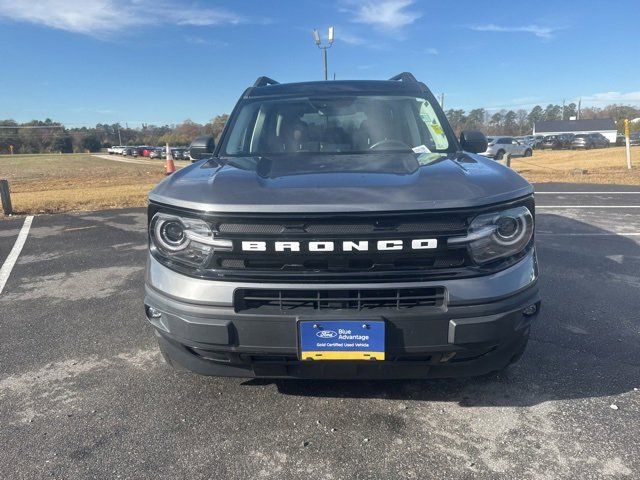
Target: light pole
(316, 37)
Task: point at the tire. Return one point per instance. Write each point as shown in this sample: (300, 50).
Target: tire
(499, 155)
(528, 152)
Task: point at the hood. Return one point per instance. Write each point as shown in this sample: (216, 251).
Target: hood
(341, 183)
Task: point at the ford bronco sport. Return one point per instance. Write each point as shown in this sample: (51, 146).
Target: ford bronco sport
(340, 230)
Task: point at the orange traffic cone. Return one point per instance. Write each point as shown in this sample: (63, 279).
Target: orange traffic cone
(171, 167)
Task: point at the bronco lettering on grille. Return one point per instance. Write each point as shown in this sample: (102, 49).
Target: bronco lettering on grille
(345, 246)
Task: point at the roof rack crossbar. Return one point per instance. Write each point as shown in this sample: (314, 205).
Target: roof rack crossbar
(404, 77)
(264, 81)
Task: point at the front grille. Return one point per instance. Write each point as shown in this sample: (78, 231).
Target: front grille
(339, 266)
(302, 263)
(298, 301)
(371, 265)
(348, 228)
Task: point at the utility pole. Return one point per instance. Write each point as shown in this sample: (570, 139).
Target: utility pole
(579, 106)
(563, 102)
(324, 48)
(442, 100)
(627, 135)
(119, 137)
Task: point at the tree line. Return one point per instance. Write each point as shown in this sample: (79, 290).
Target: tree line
(49, 136)
(521, 121)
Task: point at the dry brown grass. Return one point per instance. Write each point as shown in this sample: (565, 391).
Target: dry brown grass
(63, 183)
(606, 165)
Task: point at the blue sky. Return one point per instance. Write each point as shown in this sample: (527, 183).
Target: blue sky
(163, 61)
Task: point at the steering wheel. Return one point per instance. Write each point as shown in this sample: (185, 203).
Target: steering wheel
(390, 142)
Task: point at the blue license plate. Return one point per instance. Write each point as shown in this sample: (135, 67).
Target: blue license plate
(341, 339)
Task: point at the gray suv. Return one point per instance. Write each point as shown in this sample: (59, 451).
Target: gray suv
(340, 230)
(498, 147)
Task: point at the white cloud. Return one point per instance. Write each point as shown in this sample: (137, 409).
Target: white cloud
(202, 16)
(104, 17)
(389, 14)
(432, 51)
(349, 38)
(195, 40)
(607, 98)
(545, 33)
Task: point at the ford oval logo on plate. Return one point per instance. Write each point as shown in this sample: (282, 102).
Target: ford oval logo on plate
(326, 334)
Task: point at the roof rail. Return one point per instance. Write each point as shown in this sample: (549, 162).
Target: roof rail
(264, 81)
(404, 77)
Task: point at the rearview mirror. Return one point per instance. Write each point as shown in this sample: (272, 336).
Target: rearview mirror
(473, 141)
(202, 147)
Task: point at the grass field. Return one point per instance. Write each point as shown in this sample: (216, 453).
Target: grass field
(62, 183)
(605, 165)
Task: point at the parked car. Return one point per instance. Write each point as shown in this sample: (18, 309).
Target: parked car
(552, 142)
(497, 147)
(583, 140)
(127, 151)
(177, 153)
(350, 252)
(557, 142)
(525, 141)
(621, 140)
(146, 151)
(116, 150)
(566, 139)
(156, 153)
(537, 141)
(634, 139)
(600, 140)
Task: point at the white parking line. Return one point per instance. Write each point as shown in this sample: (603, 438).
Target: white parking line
(610, 234)
(565, 207)
(587, 193)
(8, 264)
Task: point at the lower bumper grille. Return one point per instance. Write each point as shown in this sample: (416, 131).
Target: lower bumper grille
(297, 301)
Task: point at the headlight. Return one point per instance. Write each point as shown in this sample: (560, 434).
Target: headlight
(497, 235)
(185, 240)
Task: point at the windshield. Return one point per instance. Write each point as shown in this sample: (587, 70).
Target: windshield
(335, 125)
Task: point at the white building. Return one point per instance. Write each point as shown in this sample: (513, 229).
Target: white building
(605, 126)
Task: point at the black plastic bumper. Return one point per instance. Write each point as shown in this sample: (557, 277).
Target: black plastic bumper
(459, 340)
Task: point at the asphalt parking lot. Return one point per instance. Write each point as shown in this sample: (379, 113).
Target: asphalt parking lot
(84, 392)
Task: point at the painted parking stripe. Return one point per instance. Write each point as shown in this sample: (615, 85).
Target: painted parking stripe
(568, 207)
(8, 264)
(610, 234)
(587, 193)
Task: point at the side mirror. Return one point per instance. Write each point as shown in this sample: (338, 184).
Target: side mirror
(473, 141)
(202, 147)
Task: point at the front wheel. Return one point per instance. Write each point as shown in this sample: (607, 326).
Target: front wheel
(528, 152)
(500, 155)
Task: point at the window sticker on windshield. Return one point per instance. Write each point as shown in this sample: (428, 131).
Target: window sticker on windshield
(437, 128)
(421, 149)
